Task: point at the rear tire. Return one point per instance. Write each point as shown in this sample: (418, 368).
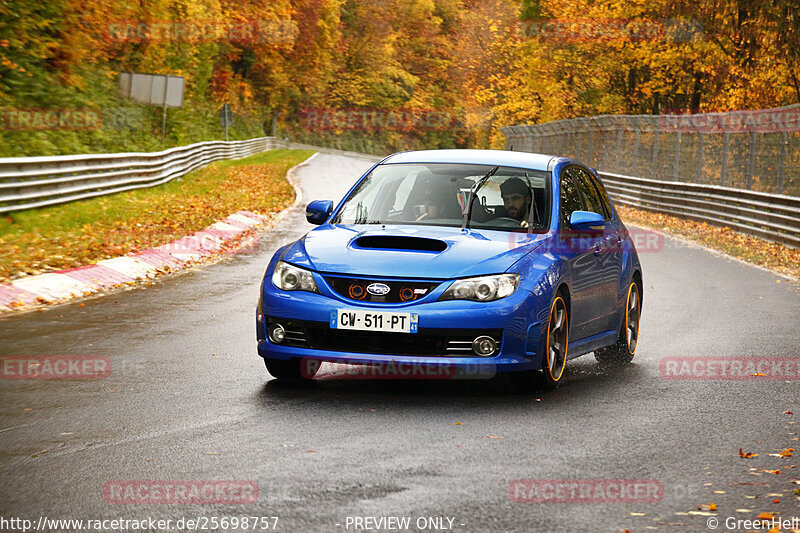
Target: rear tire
(624, 349)
(293, 370)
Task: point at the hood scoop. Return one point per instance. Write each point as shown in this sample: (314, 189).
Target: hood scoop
(400, 242)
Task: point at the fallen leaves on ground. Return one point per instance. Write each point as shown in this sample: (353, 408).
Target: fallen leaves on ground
(746, 455)
(768, 254)
(115, 225)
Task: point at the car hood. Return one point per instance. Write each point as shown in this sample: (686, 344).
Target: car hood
(409, 251)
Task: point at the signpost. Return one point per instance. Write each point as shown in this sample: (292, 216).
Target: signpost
(153, 89)
(226, 118)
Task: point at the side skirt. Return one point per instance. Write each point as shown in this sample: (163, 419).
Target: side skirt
(590, 344)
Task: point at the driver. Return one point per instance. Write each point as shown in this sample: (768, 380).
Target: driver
(517, 200)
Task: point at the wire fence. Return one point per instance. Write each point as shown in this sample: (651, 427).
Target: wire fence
(752, 150)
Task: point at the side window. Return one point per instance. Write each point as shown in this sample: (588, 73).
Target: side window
(589, 191)
(603, 197)
(570, 197)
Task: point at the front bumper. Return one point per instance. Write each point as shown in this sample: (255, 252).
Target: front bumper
(517, 318)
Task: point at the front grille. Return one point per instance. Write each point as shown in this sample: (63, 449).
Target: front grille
(399, 291)
(428, 342)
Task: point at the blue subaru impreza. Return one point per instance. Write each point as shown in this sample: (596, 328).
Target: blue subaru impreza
(509, 261)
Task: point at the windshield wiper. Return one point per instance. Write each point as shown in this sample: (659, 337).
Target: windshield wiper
(472, 193)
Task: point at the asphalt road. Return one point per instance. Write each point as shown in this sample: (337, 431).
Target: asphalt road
(189, 399)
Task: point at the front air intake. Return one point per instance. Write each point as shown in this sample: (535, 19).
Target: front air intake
(391, 242)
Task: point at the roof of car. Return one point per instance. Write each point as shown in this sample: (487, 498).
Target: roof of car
(477, 157)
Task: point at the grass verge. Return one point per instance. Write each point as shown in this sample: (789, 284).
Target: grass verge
(81, 233)
(774, 256)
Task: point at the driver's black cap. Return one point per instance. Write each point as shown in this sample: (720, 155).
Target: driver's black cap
(514, 186)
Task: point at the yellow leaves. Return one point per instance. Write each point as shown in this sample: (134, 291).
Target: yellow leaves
(746, 455)
(783, 453)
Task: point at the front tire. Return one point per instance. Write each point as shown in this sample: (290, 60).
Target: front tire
(293, 370)
(624, 349)
(556, 345)
(555, 356)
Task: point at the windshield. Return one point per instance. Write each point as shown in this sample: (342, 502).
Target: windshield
(437, 194)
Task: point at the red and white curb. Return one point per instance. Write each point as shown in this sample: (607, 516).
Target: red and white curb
(223, 236)
(64, 285)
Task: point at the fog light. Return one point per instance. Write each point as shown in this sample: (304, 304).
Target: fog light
(484, 346)
(276, 333)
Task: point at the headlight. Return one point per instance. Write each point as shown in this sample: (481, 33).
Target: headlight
(482, 289)
(291, 278)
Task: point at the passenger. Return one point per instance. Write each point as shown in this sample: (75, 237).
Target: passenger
(439, 204)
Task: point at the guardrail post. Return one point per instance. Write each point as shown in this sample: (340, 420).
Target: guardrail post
(723, 171)
(782, 161)
(677, 164)
(699, 170)
(655, 168)
(569, 144)
(751, 163)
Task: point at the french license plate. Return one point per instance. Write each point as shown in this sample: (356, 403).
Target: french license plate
(362, 320)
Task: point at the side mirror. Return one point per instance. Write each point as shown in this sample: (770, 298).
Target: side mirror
(587, 222)
(318, 211)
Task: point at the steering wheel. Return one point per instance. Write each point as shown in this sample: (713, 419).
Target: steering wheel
(508, 219)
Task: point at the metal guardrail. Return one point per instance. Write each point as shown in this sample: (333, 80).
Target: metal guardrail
(755, 150)
(727, 169)
(32, 182)
(773, 217)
